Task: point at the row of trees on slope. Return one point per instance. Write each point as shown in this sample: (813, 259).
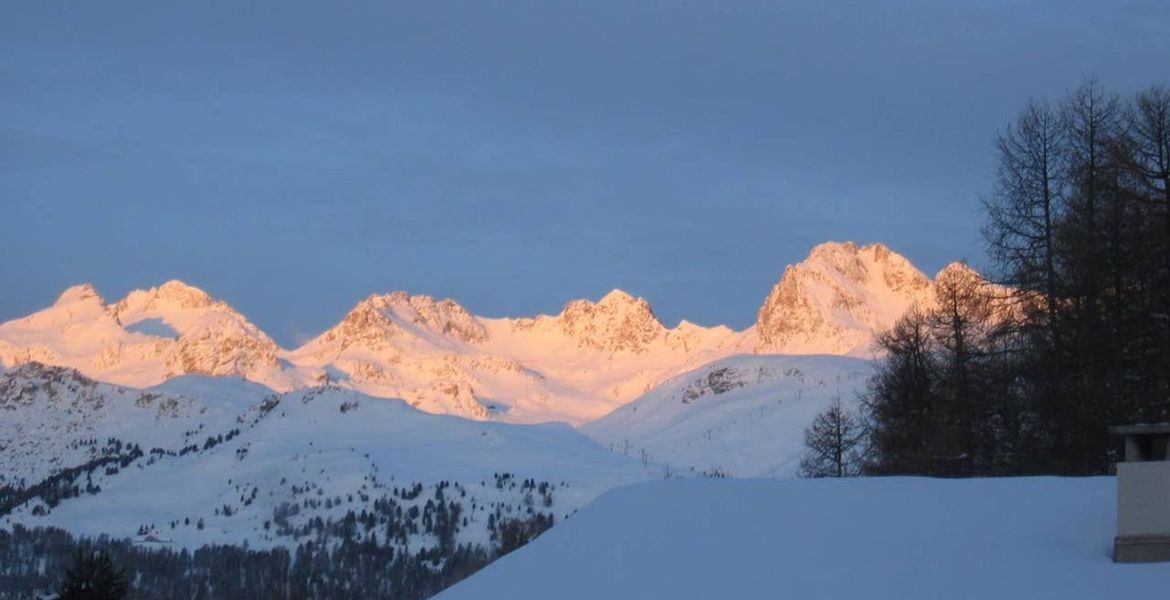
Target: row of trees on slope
(341, 565)
(1025, 377)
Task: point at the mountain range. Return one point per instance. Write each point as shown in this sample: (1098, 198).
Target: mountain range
(575, 366)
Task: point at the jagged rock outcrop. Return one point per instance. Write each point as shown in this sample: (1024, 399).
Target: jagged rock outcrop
(374, 322)
(225, 347)
(616, 323)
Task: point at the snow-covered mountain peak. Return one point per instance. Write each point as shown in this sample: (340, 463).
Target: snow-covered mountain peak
(364, 323)
(618, 322)
(613, 302)
(374, 321)
(181, 294)
(833, 301)
(862, 263)
(445, 316)
(960, 270)
(209, 336)
(172, 295)
(838, 254)
(687, 327)
(616, 297)
(77, 305)
(145, 338)
(83, 293)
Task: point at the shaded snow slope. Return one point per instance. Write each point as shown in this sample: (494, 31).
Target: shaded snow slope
(859, 538)
(53, 418)
(742, 416)
(230, 454)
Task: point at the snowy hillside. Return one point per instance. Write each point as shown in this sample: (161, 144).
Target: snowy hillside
(858, 538)
(742, 416)
(54, 418)
(206, 460)
(575, 366)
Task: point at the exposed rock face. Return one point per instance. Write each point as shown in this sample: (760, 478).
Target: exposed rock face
(20, 385)
(618, 322)
(226, 347)
(836, 299)
(714, 382)
(445, 316)
(375, 321)
(365, 325)
(452, 398)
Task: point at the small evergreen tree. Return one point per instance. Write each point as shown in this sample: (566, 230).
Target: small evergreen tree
(93, 577)
(833, 444)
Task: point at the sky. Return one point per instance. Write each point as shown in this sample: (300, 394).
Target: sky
(294, 157)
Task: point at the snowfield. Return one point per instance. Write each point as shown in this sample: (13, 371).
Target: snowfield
(1039, 537)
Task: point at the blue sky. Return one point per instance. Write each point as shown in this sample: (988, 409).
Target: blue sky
(295, 157)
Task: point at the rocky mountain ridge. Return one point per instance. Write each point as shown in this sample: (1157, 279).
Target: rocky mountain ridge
(576, 366)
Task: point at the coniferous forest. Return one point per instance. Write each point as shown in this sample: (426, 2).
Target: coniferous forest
(351, 564)
(362, 553)
(1024, 375)
(36, 560)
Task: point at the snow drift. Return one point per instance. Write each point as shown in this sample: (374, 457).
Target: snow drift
(859, 538)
